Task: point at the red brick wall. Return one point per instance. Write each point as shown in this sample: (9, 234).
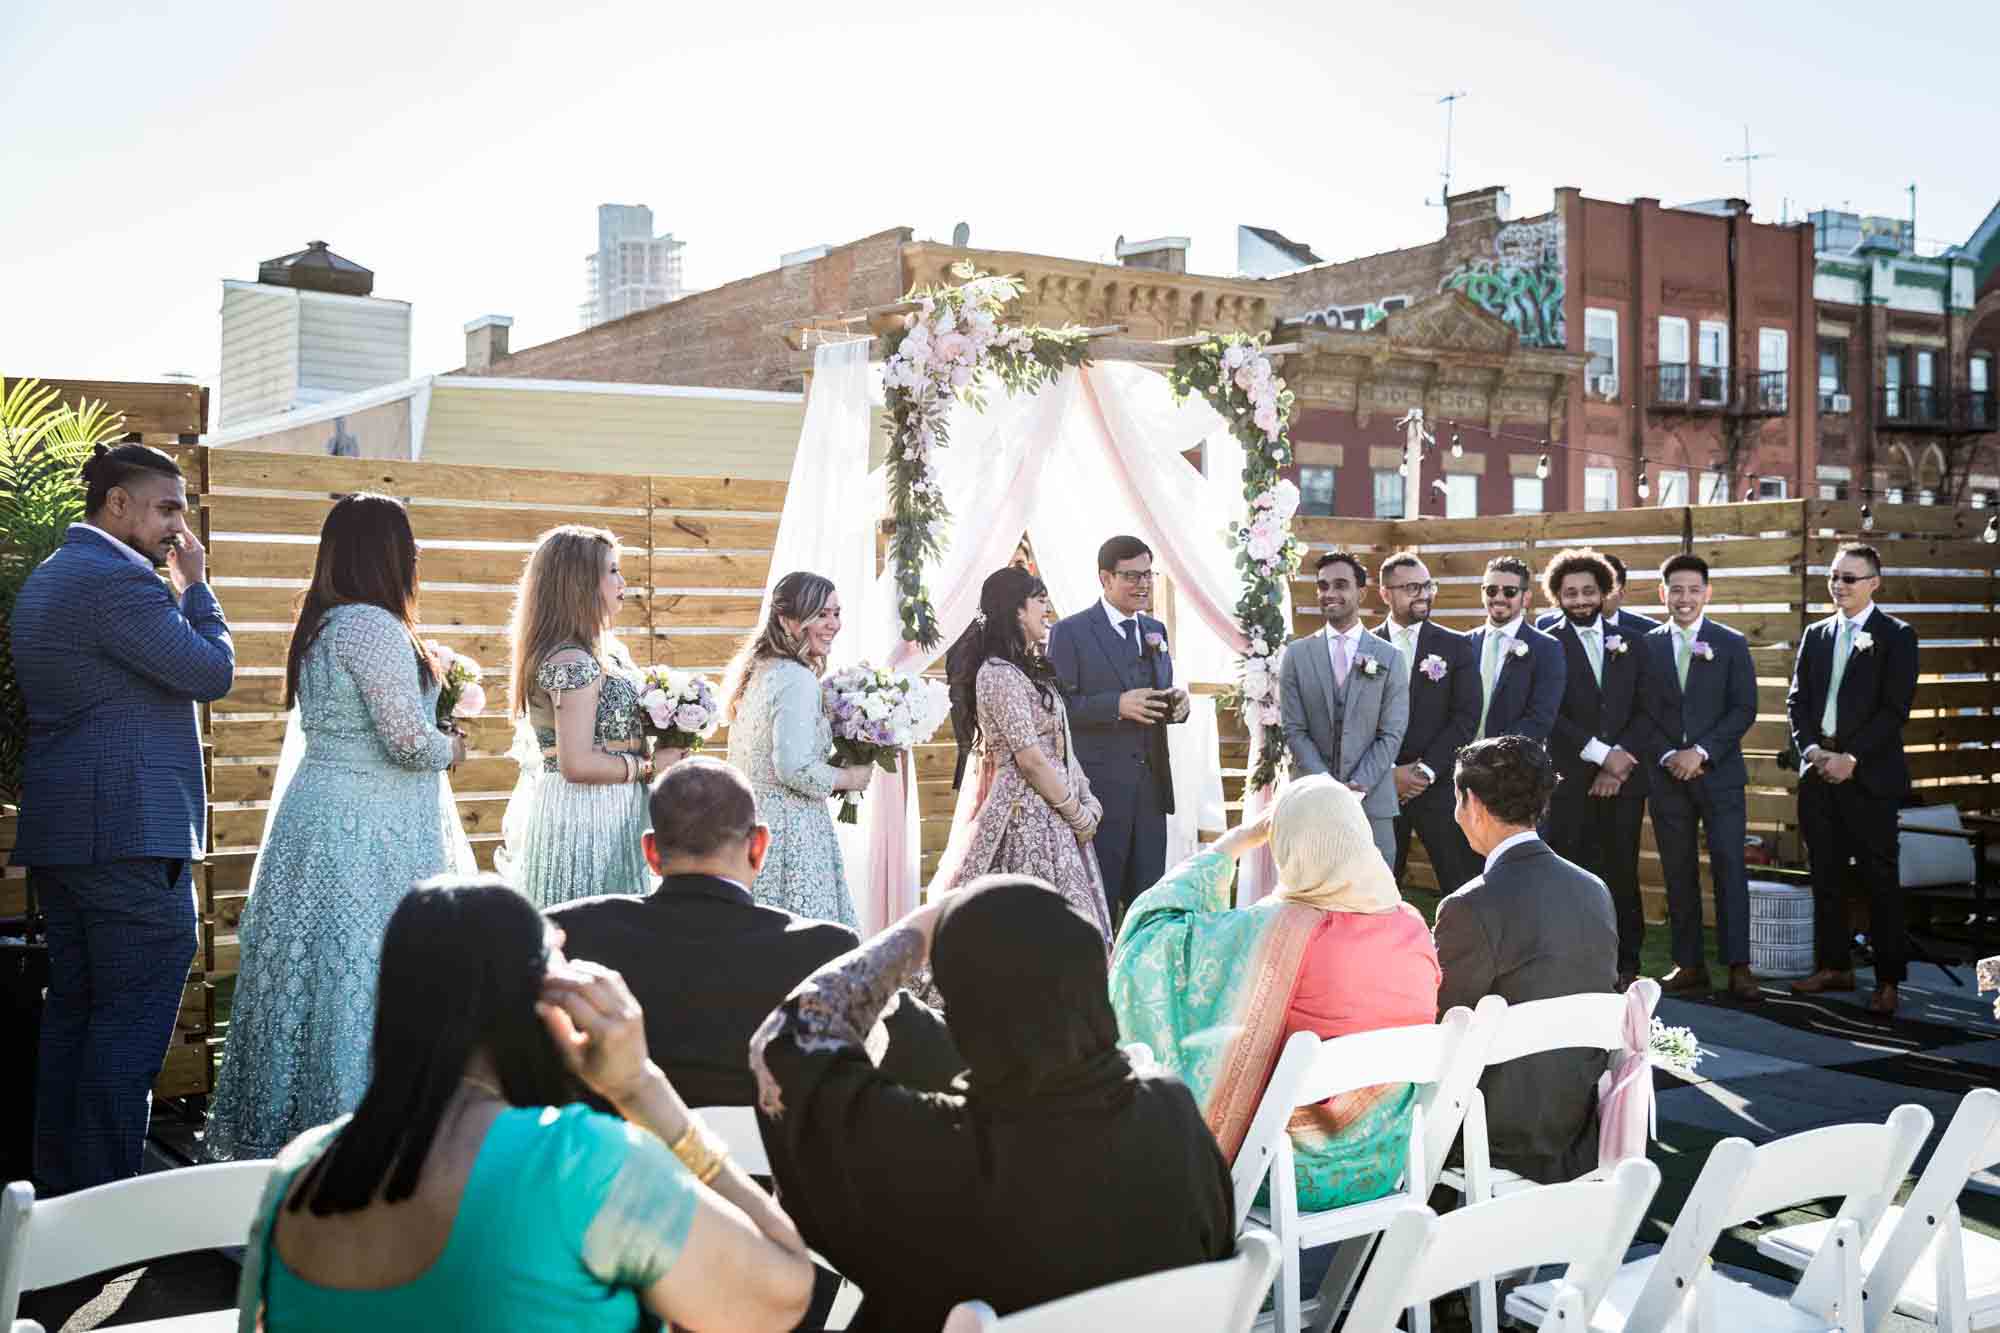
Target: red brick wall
(723, 337)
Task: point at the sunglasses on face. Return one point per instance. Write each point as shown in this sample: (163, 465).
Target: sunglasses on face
(1421, 589)
(1500, 590)
(1849, 579)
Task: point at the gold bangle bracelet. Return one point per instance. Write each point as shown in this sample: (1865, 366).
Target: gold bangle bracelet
(701, 1157)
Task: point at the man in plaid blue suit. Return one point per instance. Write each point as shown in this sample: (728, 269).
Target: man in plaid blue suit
(113, 809)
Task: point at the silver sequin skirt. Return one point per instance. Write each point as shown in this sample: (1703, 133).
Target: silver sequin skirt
(568, 840)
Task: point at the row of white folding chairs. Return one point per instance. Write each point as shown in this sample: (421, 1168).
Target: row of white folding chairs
(1445, 1060)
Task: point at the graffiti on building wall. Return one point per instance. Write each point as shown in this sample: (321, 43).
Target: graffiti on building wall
(1522, 283)
(1357, 317)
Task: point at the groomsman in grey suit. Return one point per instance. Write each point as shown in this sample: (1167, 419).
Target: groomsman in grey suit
(1344, 698)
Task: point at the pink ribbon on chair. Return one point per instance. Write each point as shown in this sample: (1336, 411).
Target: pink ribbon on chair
(1625, 1091)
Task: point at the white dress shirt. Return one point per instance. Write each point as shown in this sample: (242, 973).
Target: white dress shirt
(116, 545)
(1511, 629)
(1119, 620)
(1840, 621)
(1525, 835)
(1693, 637)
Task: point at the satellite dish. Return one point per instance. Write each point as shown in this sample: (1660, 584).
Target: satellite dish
(961, 235)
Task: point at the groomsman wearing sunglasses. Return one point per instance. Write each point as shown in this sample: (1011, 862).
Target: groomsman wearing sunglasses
(1521, 669)
(1698, 690)
(1851, 690)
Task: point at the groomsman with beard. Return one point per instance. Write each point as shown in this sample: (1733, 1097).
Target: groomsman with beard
(1598, 736)
(1521, 669)
(1852, 686)
(1444, 711)
(1699, 693)
(1617, 620)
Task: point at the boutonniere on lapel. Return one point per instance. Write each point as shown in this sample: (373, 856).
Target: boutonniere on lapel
(1863, 641)
(1615, 644)
(1155, 642)
(1703, 650)
(1370, 667)
(1516, 648)
(1433, 667)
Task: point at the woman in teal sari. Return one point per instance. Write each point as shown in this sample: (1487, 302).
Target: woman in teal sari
(1215, 991)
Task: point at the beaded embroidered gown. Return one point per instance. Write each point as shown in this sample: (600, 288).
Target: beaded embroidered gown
(568, 840)
(781, 739)
(368, 814)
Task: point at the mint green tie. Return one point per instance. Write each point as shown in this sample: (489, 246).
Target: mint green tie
(1685, 655)
(1595, 652)
(1489, 671)
(1841, 647)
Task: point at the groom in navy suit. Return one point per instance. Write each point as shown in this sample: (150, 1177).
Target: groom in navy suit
(1117, 676)
(1698, 690)
(111, 662)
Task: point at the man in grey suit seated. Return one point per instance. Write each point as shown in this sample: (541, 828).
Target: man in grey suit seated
(1344, 699)
(1532, 927)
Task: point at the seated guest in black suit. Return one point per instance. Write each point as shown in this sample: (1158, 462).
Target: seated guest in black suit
(1532, 927)
(706, 963)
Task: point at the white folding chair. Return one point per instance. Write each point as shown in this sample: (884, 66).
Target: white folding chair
(1587, 1225)
(1444, 1058)
(736, 1126)
(1220, 1297)
(1677, 1289)
(1921, 1262)
(1267, 1124)
(52, 1241)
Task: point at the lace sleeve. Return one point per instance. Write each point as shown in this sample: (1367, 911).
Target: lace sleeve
(796, 752)
(832, 1011)
(377, 653)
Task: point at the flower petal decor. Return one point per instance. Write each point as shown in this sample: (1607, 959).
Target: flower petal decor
(946, 351)
(1232, 372)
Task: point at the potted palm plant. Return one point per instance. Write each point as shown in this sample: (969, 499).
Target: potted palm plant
(43, 445)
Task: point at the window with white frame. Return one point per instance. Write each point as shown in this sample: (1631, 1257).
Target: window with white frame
(1979, 379)
(1600, 488)
(1714, 489)
(1834, 482)
(1673, 385)
(1600, 339)
(1673, 488)
(1316, 489)
(1770, 488)
(1527, 495)
(1713, 381)
(1388, 495)
(1461, 496)
(1774, 350)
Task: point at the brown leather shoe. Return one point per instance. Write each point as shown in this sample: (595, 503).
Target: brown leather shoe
(1684, 979)
(1743, 984)
(1883, 1001)
(1825, 979)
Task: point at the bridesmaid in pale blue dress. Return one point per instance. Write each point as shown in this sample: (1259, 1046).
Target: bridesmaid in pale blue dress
(468, 1191)
(781, 739)
(361, 812)
(573, 826)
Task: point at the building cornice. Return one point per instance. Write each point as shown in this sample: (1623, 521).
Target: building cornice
(1150, 303)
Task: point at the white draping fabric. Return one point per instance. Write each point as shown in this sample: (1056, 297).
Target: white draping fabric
(1096, 453)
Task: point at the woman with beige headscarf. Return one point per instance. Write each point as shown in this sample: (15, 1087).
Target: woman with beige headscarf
(1215, 991)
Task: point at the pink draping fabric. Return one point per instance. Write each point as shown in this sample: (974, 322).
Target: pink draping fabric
(1625, 1092)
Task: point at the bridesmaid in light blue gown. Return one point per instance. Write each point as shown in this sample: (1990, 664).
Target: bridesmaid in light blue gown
(367, 812)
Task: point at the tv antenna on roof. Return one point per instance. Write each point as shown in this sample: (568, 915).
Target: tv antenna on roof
(1450, 104)
(1746, 157)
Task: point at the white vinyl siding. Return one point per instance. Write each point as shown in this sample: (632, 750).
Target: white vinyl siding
(349, 344)
(259, 362)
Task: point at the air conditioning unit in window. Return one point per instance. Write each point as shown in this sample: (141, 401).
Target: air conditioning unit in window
(1604, 386)
(1840, 402)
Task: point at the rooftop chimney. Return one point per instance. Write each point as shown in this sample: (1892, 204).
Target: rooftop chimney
(486, 342)
(1168, 254)
(317, 269)
(1487, 205)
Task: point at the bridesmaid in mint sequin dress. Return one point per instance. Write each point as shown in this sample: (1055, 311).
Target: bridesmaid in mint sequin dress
(368, 814)
(573, 825)
(780, 737)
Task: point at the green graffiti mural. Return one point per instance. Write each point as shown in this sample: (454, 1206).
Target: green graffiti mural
(1522, 283)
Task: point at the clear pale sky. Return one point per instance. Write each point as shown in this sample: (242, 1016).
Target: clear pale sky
(460, 150)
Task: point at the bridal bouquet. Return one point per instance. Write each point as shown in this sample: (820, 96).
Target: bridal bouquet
(462, 695)
(678, 708)
(876, 716)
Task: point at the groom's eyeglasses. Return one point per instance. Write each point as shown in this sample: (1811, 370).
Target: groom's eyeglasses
(1849, 579)
(1136, 577)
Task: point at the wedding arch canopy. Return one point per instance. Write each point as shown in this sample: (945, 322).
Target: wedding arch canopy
(1069, 436)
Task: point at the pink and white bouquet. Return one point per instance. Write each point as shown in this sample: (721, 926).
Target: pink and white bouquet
(462, 695)
(678, 708)
(876, 716)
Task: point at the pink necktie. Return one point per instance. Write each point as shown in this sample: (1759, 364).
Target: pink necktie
(1340, 651)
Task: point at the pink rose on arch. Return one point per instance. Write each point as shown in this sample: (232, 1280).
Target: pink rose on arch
(954, 347)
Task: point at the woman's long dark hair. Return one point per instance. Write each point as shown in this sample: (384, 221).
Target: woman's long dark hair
(462, 968)
(367, 555)
(994, 633)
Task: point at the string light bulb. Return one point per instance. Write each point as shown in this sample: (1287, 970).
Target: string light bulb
(1457, 447)
(1749, 494)
(1542, 468)
(1645, 487)
(1992, 531)
(1867, 518)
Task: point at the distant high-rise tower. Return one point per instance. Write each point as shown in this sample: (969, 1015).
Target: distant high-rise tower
(632, 269)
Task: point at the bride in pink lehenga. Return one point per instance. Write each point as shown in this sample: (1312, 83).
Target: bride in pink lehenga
(1028, 809)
